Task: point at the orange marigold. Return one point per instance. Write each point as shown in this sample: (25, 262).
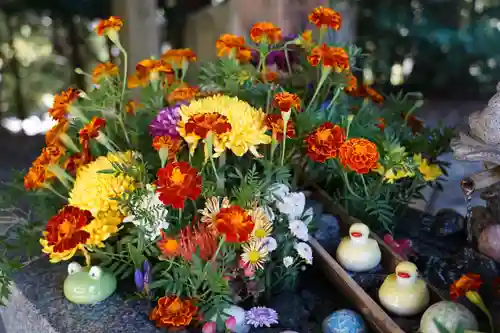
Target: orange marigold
(176, 182)
(113, 23)
(77, 160)
(171, 312)
(39, 172)
(269, 76)
(359, 154)
(324, 142)
(102, 70)
(286, 101)
(203, 123)
(467, 282)
(91, 130)
(168, 246)
(52, 137)
(274, 122)
(265, 31)
(147, 68)
(231, 45)
(66, 230)
(373, 95)
(131, 107)
(235, 223)
(199, 240)
(62, 101)
(182, 94)
(172, 144)
(352, 84)
(325, 17)
(178, 57)
(329, 56)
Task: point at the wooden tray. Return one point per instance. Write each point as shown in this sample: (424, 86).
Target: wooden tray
(377, 318)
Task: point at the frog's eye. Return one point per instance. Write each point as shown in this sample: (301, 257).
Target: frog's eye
(95, 272)
(74, 267)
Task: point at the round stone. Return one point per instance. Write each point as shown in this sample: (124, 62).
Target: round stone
(344, 321)
(489, 242)
(448, 314)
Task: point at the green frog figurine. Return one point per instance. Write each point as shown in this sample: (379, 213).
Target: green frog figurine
(88, 285)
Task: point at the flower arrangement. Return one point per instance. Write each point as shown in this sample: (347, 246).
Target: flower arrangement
(192, 190)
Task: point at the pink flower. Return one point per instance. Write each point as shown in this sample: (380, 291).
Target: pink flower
(231, 323)
(248, 270)
(401, 246)
(209, 327)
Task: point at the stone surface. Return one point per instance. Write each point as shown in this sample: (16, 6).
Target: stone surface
(448, 222)
(38, 305)
(327, 231)
(449, 314)
(489, 242)
(344, 321)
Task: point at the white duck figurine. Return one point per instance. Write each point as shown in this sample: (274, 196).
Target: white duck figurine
(358, 253)
(403, 293)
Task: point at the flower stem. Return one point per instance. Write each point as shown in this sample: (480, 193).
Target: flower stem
(364, 186)
(283, 148)
(324, 74)
(124, 86)
(334, 98)
(53, 190)
(86, 255)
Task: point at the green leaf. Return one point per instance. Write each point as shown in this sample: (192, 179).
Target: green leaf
(137, 257)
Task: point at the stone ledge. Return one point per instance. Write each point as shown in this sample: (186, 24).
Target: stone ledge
(37, 304)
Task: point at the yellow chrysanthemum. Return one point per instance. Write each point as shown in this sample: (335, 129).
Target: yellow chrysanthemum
(263, 227)
(96, 192)
(235, 125)
(430, 172)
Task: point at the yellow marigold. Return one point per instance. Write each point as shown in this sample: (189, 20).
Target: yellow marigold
(246, 124)
(95, 192)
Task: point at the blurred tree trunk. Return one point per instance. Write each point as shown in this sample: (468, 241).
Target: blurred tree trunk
(176, 23)
(75, 53)
(21, 111)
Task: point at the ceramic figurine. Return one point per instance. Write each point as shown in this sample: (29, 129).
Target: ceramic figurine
(358, 252)
(88, 285)
(403, 293)
(343, 321)
(449, 314)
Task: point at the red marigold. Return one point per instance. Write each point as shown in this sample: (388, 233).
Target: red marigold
(171, 312)
(77, 160)
(62, 101)
(381, 124)
(359, 154)
(106, 69)
(325, 17)
(372, 94)
(265, 31)
(467, 282)
(113, 23)
(286, 101)
(177, 57)
(176, 182)
(91, 130)
(182, 94)
(274, 122)
(197, 239)
(228, 45)
(324, 142)
(65, 231)
(203, 123)
(235, 223)
(329, 56)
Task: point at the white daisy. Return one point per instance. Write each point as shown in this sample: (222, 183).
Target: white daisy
(299, 230)
(270, 243)
(277, 192)
(304, 251)
(287, 261)
(292, 205)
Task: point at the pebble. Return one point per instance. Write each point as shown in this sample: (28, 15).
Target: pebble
(344, 321)
(327, 232)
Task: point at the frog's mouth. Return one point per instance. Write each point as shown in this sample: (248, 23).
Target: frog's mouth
(404, 275)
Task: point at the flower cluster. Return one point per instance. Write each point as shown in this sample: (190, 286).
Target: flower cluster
(187, 188)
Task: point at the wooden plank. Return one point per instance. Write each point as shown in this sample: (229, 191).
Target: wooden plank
(370, 310)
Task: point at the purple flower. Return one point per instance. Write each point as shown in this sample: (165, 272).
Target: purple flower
(139, 280)
(260, 316)
(147, 276)
(165, 123)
